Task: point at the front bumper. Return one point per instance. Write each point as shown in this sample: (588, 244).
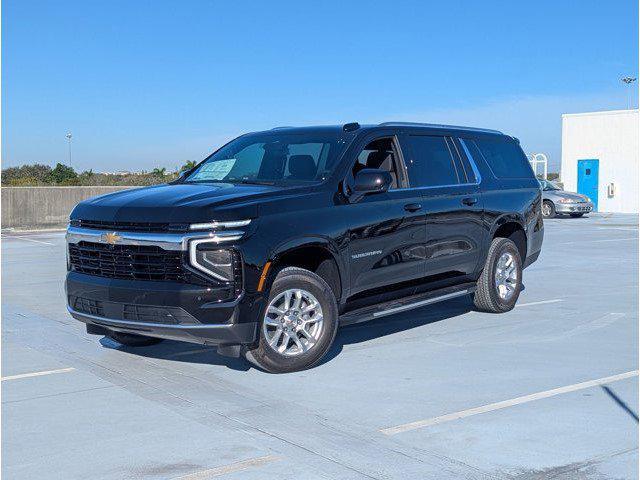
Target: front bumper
(164, 310)
(578, 207)
(169, 307)
(219, 335)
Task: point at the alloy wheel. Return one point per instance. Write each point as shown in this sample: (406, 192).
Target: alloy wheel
(506, 276)
(293, 322)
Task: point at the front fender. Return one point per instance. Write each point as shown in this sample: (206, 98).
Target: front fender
(292, 244)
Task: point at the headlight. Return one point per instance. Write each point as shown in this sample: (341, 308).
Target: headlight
(208, 258)
(214, 225)
(566, 200)
(587, 199)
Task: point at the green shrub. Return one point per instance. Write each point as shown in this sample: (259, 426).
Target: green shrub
(62, 174)
(37, 175)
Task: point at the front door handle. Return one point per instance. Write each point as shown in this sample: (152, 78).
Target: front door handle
(470, 201)
(412, 207)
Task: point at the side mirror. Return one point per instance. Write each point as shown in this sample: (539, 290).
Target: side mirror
(370, 180)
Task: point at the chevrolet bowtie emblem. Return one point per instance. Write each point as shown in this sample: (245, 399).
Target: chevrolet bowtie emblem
(111, 238)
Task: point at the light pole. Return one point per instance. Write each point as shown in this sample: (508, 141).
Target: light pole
(628, 81)
(69, 138)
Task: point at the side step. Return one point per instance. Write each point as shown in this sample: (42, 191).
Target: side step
(408, 303)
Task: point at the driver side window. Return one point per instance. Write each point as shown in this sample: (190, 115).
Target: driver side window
(379, 153)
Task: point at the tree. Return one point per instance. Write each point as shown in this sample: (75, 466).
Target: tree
(62, 173)
(188, 166)
(159, 172)
(36, 173)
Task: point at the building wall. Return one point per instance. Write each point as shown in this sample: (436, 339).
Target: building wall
(44, 207)
(612, 138)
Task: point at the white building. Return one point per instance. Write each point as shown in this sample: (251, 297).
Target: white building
(600, 158)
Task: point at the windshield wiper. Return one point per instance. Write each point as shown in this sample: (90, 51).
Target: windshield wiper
(253, 182)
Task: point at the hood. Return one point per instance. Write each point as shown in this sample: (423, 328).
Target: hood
(570, 195)
(180, 203)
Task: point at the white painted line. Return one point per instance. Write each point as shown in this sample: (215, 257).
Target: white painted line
(600, 241)
(231, 468)
(506, 403)
(28, 239)
(624, 229)
(542, 302)
(37, 374)
(42, 231)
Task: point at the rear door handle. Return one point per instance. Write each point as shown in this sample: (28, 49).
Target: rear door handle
(470, 201)
(412, 207)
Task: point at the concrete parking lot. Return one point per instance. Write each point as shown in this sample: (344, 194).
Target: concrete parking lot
(549, 390)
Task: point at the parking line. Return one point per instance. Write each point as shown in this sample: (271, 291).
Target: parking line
(231, 468)
(599, 241)
(624, 229)
(506, 403)
(37, 374)
(28, 239)
(542, 302)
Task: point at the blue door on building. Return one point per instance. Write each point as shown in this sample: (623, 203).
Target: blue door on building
(588, 180)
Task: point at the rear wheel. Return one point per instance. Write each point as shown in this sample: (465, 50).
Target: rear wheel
(500, 283)
(298, 325)
(577, 215)
(132, 340)
(548, 209)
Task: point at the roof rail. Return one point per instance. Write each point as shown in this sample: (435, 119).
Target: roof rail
(284, 126)
(436, 125)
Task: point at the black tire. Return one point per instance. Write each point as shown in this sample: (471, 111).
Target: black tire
(265, 357)
(576, 215)
(486, 297)
(133, 340)
(551, 212)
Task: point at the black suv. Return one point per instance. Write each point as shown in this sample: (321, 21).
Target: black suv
(278, 237)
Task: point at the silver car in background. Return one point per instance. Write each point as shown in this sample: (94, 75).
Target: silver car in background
(556, 201)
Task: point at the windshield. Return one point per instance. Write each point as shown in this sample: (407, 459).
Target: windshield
(547, 185)
(274, 158)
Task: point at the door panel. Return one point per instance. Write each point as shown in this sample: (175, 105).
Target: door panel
(386, 241)
(452, 202)
(454, 230)
(588, 180)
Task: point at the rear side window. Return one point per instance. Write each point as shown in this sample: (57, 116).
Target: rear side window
(430, 163)
(504, 156)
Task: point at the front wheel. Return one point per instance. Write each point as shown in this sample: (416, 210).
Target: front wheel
(298, 325)
(548, 209)
(500, 283)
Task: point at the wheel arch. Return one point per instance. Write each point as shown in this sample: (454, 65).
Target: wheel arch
(316, 254)
(511, 226)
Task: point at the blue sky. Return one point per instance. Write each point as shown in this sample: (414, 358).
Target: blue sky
(142, 84)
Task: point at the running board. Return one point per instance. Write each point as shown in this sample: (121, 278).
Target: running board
(408, 303)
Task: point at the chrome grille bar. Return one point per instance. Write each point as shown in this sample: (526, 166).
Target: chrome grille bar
(166, 241)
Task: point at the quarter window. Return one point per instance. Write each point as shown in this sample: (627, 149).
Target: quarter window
(504, 156)
(430, 163)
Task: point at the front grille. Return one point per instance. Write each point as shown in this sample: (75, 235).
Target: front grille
(86, 305)
(132, 312)
(128, 262)
(148, 262)
(131, 226)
